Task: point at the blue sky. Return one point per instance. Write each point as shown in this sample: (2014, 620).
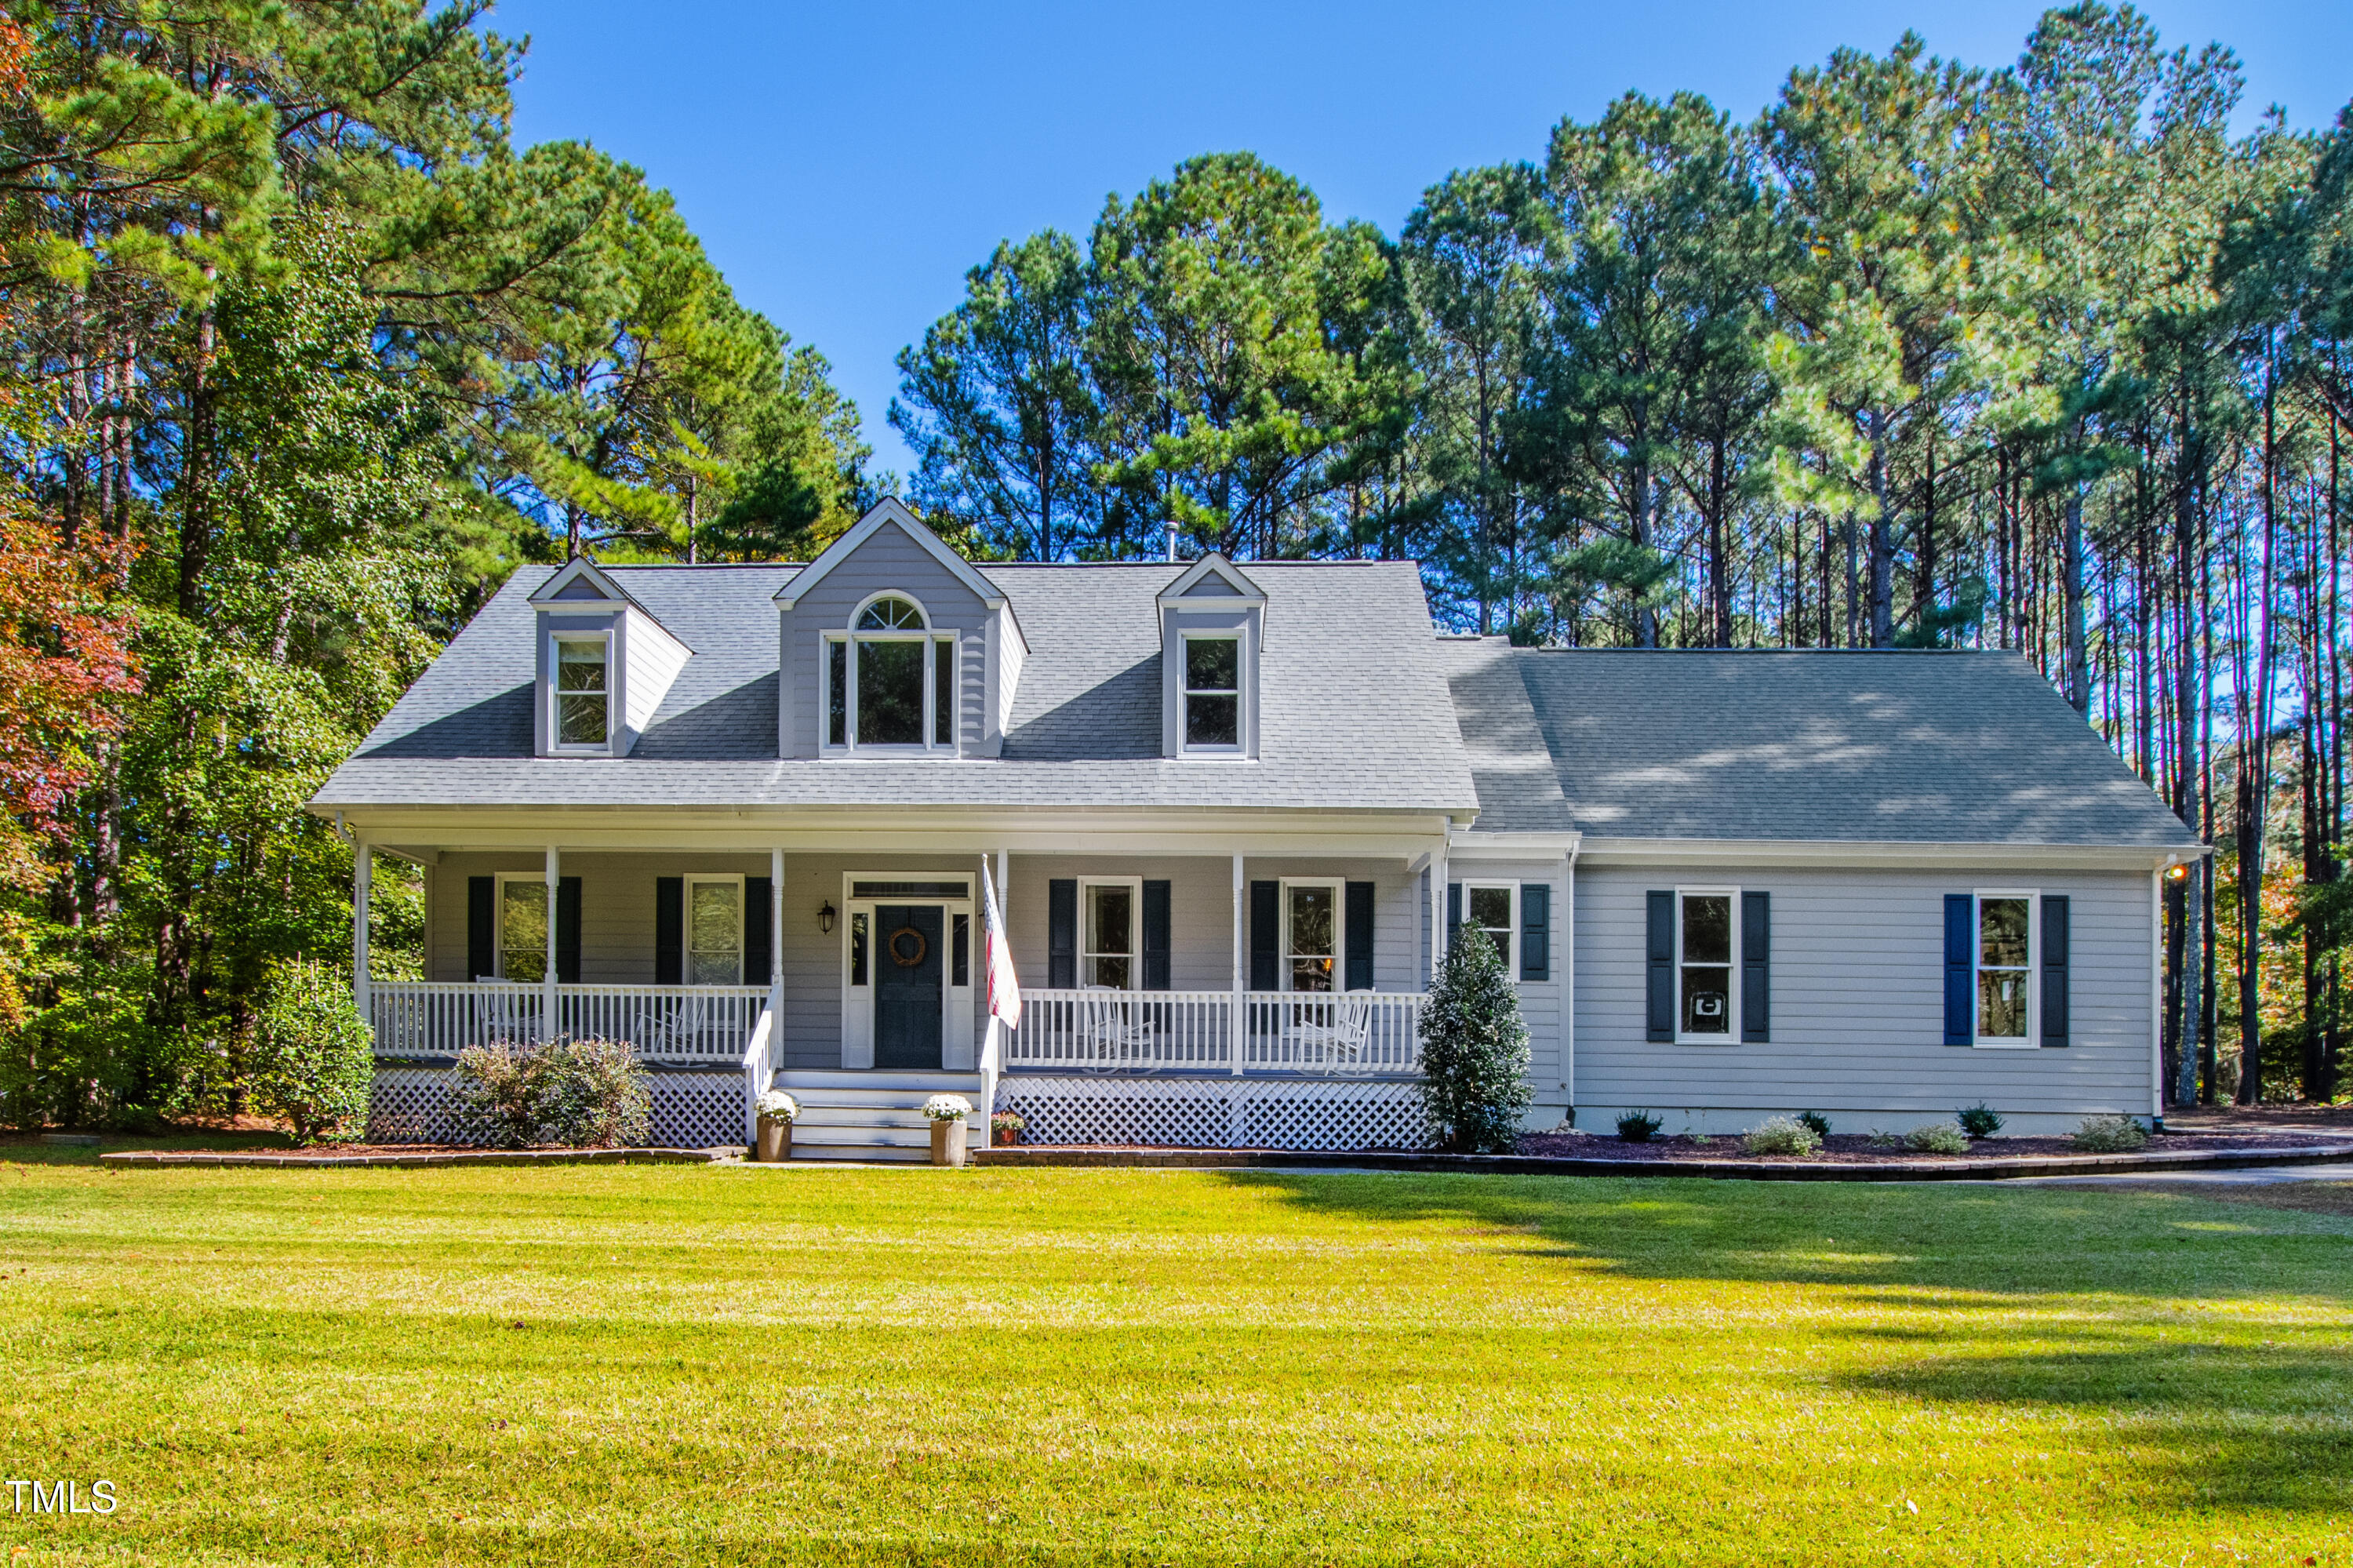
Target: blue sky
(845, 164)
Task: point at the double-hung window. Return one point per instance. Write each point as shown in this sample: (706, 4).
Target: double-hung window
(1107, 933)
(714, 930)
(522, 928)
(891, 681)
(1494, 907)
(1310, 936)
(1213, 693)
(2007, 957)
(1707, 935)
(583, 689)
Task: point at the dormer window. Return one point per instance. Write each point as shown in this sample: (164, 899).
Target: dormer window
(582, 718)
(891, 681)
(1212, 629)
(1213, 692)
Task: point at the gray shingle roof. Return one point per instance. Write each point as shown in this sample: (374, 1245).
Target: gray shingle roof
(1519, 789)
(1961, 748)
(1355, 709)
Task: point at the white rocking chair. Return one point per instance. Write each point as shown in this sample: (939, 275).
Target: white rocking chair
(1106, 1037)
(1339, 1037)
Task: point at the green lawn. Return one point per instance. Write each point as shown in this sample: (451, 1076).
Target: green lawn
(663, 1364)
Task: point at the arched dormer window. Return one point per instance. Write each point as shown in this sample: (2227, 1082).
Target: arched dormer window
(891, 681)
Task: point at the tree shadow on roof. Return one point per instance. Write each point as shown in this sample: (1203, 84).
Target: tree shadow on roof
(497, 726)
(737, 725)
(1117, 719)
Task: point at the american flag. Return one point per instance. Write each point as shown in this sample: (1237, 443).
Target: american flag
(1004, 987)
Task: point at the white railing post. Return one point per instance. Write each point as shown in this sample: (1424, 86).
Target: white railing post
(759, 1070)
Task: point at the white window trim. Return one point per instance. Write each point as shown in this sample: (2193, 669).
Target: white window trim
(1338, 888)
(1731, 1000)
(1185, 692)
(686, 922)
(850, 637)
(1135, 886)
(1512, 948)
(499, 919)
(2033, 1036)
(557, 744)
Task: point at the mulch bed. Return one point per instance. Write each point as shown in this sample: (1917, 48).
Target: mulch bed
(1856, 1149)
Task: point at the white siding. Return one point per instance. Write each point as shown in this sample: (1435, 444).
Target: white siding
(1858, 1006)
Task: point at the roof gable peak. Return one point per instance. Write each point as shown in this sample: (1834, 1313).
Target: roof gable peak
(888, 513)
(1213, 577)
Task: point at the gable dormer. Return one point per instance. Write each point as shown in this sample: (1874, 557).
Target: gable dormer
(893, 645)
(603, 665)
(1212, 624)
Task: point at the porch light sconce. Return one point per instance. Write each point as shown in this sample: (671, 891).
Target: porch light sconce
(2175, 871)
(825, 917)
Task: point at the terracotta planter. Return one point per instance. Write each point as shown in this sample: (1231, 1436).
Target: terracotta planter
(776, 1141)
(1004, 1136)
(947, 1143)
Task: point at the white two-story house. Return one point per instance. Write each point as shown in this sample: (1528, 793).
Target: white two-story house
(746, 817)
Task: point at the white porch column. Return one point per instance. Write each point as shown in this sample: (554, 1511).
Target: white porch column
(363, 889)
(776, 940)
(1238, 1029)
(1437, 872)
(547, 1020)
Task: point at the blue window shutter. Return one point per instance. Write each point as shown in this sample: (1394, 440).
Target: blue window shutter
(1658, 953)
(481, 926)
(1359, 943)
(1960, 968)
(1266, 935)
(1156, 936)
(1062, 933)
(2054, 969)
(567, 930)
(1453, 911)
(1535, 930)
(756, 913)
(1755, 967)
(670, 931)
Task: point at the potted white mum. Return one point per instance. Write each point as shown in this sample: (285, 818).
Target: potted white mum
(947, 1113)
(777, 1111)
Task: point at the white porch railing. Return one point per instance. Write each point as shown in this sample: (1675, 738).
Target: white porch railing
(1090, 1031)
(671, 1022)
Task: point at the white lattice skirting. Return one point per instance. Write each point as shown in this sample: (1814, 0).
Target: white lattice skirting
(691, 1111)
(1218, 1113)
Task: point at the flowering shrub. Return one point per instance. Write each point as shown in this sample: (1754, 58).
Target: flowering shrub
(777, 1106)
(577, 1094)
(1783, 1135)
(2110, 1135)
(947, 1108)
(1937, 1138)
(1007, 1127)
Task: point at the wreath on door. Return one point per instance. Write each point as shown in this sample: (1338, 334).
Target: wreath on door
(899, 955)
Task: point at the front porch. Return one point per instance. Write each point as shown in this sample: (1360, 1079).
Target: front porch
(856, 980)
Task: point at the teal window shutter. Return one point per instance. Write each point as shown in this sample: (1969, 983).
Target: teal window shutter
(1062, 932)
(567, 930)
(1755, 967)
(757, 911)
(1156, 933)
(1359, 943)
(1658, 953)
(1266, 935)
(670, 931)
(1535, 930)
(1960, 968)
(2054, 968)
(481, 926)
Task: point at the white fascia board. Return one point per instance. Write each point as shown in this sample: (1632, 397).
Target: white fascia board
(1472, 843)
(1245, 590)
(617, 599)
(1214, 835)
(1874, 853)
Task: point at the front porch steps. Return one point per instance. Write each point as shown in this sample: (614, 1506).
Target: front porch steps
(876, 1114)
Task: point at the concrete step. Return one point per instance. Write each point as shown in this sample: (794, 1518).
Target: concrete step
(895, 1137)
(862, 1115)
(794, 1081)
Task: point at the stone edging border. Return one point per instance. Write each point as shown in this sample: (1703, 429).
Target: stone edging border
(304, 1161)
(1995, 1169)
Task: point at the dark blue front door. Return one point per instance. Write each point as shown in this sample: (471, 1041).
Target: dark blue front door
(907, 986)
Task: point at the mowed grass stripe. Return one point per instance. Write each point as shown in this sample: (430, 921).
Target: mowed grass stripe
(697, 1364)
